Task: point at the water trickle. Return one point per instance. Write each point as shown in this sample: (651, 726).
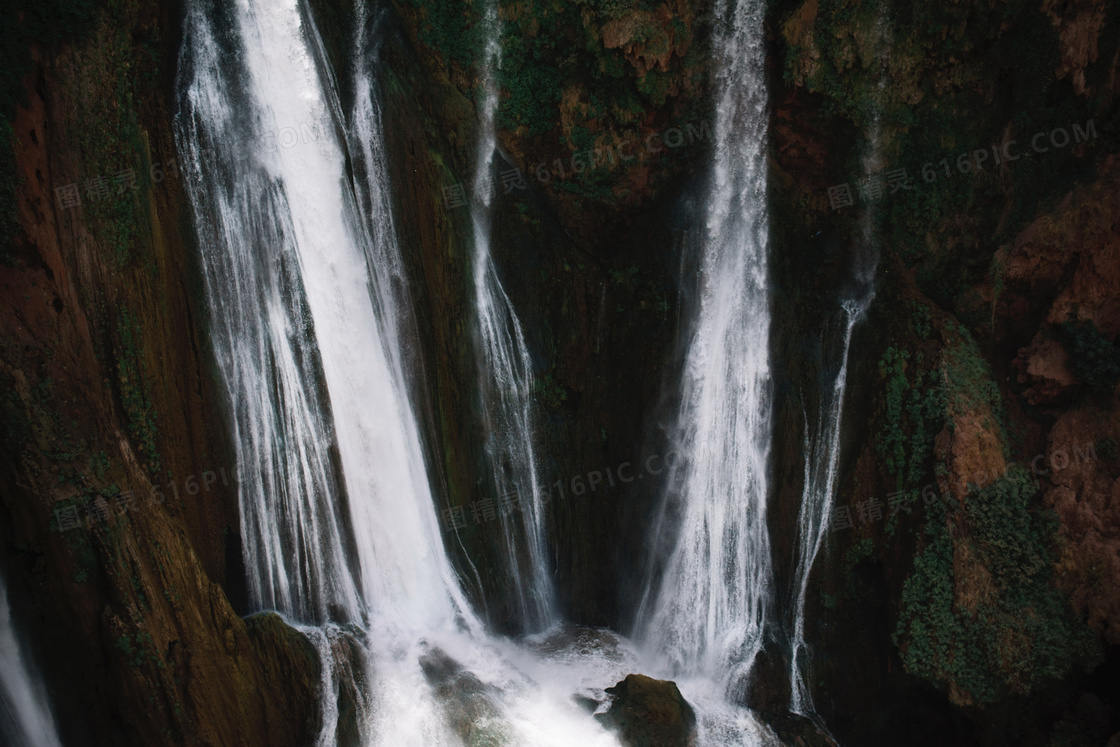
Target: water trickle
(822, 457)
(822, 438)
(506, 371)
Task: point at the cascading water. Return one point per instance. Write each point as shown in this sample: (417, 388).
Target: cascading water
(507, 372)
(822, 447)
(337, 517)
(25, 713)
(822, 457)
(307, 294)
(709, 612)
(287, 259)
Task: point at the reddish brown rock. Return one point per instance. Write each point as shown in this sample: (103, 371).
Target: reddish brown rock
(1085, 493)
(1044, 366)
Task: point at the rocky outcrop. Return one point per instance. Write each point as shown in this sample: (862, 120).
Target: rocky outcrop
(468, 704)
(1044, 370)
(998, 346)
(118, 491)
(650, 713)
(1084, 472)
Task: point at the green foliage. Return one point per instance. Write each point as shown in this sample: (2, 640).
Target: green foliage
(1015, 631)
(549, 46)
(535, 89)
(969, 386)
(1094, 358)
(550, 393)
(133, 381)
(448, 27)
(920, 319)
(915, 413)
(891, 444)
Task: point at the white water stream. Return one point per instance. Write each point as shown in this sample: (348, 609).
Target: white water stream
(822, 459)
(25, 712)
(708, 615)
(305, 286)
(506, 370)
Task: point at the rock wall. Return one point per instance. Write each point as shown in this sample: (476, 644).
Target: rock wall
(120, 524)
(973, 597)
(969, 596)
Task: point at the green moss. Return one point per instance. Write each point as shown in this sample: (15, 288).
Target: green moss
(914, 412)
(133, 381)
(138, 649)
(1018, 631)
(853, 587)
(969, 385)
(549, 392)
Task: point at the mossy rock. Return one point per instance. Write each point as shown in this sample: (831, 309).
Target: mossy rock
(650, 713)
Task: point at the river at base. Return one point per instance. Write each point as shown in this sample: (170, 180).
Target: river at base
(449, 687)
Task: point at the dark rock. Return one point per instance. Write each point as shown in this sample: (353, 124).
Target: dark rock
(797, 731)
(649, 713)
(767, 685)
(468, 702)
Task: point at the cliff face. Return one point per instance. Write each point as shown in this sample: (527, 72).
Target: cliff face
(972, 590)
(590, 261)
(119, 497)
(978, 582)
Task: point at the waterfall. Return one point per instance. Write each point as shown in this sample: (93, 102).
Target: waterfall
(708, 613)
(822, 447)
(506, 370)
(25, 713)
(309, 316)
(337, 514)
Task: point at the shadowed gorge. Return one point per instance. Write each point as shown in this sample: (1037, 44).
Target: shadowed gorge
(606, 372)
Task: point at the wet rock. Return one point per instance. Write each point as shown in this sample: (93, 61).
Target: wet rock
(1044, 366)
(767, 685)
(797, 731)
(649, 713)
(467, 701)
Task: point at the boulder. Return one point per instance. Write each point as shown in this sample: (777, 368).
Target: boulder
(649, 713)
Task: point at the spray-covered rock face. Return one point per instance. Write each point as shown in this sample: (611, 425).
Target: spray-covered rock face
(363, 354)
